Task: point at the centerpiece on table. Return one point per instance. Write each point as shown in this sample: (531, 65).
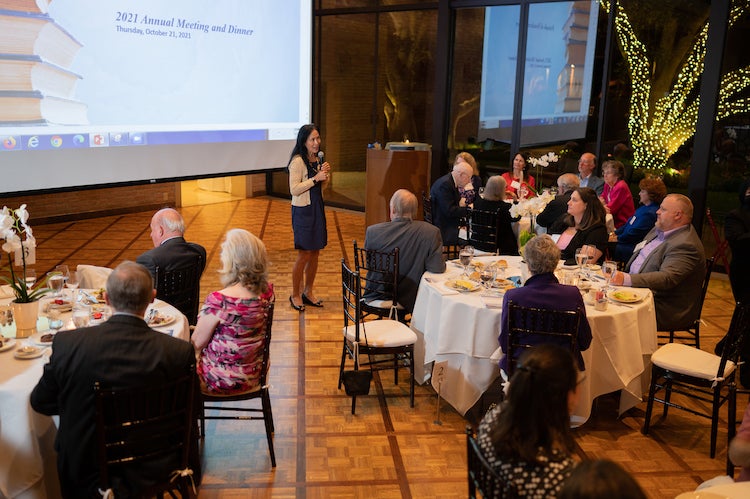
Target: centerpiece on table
(540, 163)
(529, 208)
(19, 240)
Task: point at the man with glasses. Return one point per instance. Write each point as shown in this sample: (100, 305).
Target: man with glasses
(672, 263)
(586, 167)
(448, 207)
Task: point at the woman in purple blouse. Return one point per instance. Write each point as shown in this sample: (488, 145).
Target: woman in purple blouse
(228, 338)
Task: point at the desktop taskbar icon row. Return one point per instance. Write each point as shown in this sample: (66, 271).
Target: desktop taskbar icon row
(71, 141)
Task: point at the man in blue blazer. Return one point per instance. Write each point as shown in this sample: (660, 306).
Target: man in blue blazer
(448, 207)
(119, 353)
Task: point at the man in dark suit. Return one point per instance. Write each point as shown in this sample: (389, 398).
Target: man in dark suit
(172, 252)
(448, 207)
(566, 184)
(672, 263)
(420, 247)
(119, 353)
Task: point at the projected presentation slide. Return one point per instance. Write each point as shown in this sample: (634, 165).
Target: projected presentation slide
(561, 40)
(92, 74)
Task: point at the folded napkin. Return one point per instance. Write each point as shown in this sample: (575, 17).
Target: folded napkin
(494, 300)
(439, 286)
(6, 291)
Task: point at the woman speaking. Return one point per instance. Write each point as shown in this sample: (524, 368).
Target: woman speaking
(307, 173)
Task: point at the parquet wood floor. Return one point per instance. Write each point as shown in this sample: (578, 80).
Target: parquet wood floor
(388, 449)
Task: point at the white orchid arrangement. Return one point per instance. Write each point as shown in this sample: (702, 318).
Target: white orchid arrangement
(542, 162)
(531, 206)
(18, 238)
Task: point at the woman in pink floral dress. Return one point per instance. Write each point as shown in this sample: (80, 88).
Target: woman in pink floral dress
(228, 338)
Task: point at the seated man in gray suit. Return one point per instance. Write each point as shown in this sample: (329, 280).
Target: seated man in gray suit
(122, 352)
(671, 262)
(420, 246)
(586, 176)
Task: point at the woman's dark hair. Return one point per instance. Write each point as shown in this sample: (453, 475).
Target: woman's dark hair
(300, 148)
(525, 157)
(600, 478)
(535, 414)
(595, 214)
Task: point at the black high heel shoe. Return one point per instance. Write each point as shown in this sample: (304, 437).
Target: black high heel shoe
(298, 308)
(307, 300)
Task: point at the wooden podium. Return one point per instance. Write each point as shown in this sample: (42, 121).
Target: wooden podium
(388, 171)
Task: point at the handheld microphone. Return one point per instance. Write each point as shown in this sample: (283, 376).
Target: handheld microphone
(321, 155)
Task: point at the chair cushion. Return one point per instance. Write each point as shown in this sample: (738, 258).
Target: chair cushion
(386, 304)
(92, 277)
(690, 361)
(383, 333)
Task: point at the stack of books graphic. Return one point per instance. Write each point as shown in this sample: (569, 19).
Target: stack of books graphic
(36, 84)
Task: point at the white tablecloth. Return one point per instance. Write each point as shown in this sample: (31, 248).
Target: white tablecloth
(27, 456)
(458, 328)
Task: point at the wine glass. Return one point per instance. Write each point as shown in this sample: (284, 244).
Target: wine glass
(523, 191)
(582, 257)
(72, 284)
(487, 275)
(30, 276)
(63, 270)
(56, 281)
(608, 269)
(464, 256)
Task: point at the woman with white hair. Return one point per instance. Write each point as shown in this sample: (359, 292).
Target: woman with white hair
(229, 335)
(493, 199)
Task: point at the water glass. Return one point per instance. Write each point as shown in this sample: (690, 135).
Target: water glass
(608, 269)
(55, 281)
(81, 315)
(53, 317)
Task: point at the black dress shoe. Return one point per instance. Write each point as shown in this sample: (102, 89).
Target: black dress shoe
(298, 308)
(307, 300)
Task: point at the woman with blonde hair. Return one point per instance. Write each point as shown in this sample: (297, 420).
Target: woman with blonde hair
(493, 199)
(228, 338)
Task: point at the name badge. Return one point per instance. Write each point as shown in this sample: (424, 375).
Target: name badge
(515, 184)
(639, 246)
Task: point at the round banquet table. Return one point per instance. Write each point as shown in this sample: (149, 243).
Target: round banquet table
(28, 467)
(463, 329)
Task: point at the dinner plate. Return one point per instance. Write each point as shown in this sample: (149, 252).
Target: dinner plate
(61, 305)
(625, 296)
(462, 285)
(25, 353)
(44, 339)
(7, 344)
(503, 284)
(699, 494)
(160, 319)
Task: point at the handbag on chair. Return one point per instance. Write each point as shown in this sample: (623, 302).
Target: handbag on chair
(357, 382)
